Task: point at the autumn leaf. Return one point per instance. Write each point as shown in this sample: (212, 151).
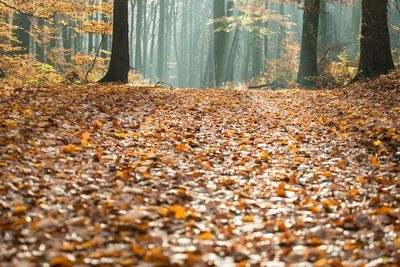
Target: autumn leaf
(71, 149)
(206, 236)
(178, 211)
(61, 261)
(85, 138)
(375, 162)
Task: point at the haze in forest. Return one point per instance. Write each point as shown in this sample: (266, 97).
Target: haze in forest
(191, 43)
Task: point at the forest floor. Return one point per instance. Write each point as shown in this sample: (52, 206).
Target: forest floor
(121, 176)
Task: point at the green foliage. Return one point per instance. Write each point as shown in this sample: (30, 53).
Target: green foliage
(336, 73)
(27, 70)
(43, 74)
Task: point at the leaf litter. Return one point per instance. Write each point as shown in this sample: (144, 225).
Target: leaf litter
(124, 176)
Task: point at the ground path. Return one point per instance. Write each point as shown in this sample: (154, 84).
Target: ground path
(141, 176)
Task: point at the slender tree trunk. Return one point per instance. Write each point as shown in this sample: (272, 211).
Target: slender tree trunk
(266, 48)
(66, 39)
(309, 43)
(219, 44)
(139, 20)
(23, 22)
(40, 55)
(144, 38)
(281, 35)
(323, 29)
(119, 65)
(161, 41)
(375, 50)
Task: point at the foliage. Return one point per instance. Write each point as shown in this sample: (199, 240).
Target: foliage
(282, 72)
(337, 73)
(250, 17)
(125, 176)
(25, 69)
(49, 18)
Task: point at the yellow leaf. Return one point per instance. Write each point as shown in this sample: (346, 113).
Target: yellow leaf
(377, 143)
(120, 135)
(178, 211)
(61, 261)
(3, 164)
(396, 109)
(206, 236)
(71, 149)
(10, 123)
(99, 124)
(85, 138)
(265, 156)
(19, 209)
(248, 219)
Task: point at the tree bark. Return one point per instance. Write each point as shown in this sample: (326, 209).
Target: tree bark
(219, 44)
(139, 20)
(375, 50)
(119, 64)
(23, 22)
(309, 43)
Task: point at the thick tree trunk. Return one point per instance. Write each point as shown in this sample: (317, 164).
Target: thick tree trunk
(119, 65)
(309, 42)
(375, 51)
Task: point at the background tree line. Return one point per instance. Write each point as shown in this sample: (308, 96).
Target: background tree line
(190, 43)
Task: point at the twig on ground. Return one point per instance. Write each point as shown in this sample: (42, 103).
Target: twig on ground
(160, 83)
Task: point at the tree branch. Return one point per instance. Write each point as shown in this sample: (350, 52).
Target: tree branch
(28, 14)
(95, 58)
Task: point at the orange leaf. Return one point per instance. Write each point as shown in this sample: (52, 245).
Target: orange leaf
(206, 236)
(375, 162)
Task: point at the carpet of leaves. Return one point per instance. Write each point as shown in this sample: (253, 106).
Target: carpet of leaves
(124, 176)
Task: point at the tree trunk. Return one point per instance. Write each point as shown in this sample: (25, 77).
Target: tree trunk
(281, 34)
(309, 42)
(161, 41)
(219, 44)
(139, 20)
(266, 38)
(119, 64)
(375, 51)
(23, 22)
(323, 29)
(40, 54)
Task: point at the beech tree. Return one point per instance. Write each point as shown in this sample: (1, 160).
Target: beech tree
(375, 49)
(309, 43)
(219, 44)
(119, 64)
